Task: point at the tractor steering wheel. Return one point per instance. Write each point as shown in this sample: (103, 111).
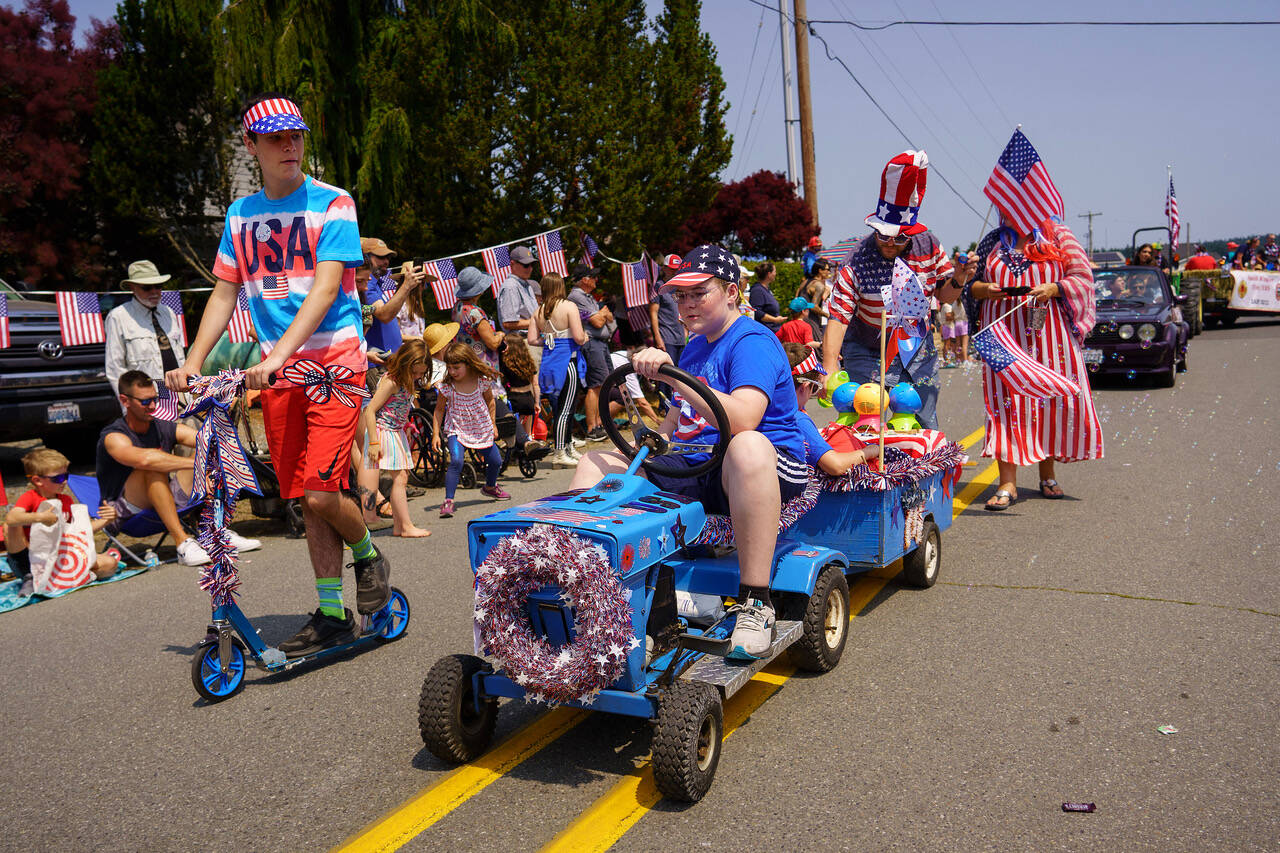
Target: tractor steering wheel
(658, 444)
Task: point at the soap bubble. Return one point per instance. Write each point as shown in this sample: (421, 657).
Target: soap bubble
(1131, 373)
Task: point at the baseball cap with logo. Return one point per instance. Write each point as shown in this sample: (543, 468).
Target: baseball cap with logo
(704, 262)
(375, 246)
(671, 261)
(272, 115)
(522, 255)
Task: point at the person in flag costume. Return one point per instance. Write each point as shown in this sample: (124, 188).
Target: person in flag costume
(1032, 249)
(294, 248)
(856, 304)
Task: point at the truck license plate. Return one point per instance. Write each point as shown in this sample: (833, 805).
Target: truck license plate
(1093, 356)
(63, 413)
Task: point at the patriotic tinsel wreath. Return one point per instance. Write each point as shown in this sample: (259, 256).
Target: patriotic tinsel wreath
(527, 561)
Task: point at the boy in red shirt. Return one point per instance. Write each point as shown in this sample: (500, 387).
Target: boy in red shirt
(797, 330)
(46, 470)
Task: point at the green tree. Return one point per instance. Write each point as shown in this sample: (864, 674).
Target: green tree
(162, 157)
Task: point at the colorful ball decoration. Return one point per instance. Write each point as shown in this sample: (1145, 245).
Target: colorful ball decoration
(524, 563)
(834, 381)
(868, 399)
(904, 398)
(843, 396)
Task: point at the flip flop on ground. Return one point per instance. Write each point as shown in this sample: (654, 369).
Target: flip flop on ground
(1001, 500)
(1051, 490)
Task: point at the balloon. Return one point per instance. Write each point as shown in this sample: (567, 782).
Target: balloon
(868, 399)
(905, 399)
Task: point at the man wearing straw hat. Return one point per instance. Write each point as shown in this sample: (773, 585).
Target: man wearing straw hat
(143, 333)
(857, 305)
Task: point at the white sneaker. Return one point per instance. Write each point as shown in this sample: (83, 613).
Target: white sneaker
(753, 632)
(242, 543)
(563, 460)
(572, 453)
(577, 442)
(191, 554)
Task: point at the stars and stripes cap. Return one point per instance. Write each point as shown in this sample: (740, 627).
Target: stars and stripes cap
(273, 115)
(704, 262)
(901, 193)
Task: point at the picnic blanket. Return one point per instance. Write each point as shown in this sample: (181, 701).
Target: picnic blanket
(11, 597)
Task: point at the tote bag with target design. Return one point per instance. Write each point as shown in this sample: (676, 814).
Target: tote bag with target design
(62, 553)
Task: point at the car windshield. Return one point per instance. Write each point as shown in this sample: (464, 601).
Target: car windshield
(1142, 286)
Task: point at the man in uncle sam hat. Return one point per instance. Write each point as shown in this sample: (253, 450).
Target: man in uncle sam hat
(856, 303)
(294, 247)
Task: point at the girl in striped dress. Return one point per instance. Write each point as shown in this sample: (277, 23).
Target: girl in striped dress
(1024, 430)
(386, 417)
(466, 395)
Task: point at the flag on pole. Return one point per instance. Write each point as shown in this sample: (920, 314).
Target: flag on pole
(652, 267)
(1018, 372)
(445, 287)
(589, 249)
(1171, 211)
(166, 404)
(906, 307)
(241, 325)
(1021, 188)
(5, 342)
(498, 262)
(635, 284)
(80, 316)
(551, 253)
(173, 299)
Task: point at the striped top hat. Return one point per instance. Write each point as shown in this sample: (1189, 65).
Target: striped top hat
(901, 192)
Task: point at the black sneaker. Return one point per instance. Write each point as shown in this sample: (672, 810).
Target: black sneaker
(373, 590)
(321, 632)
(597, 434)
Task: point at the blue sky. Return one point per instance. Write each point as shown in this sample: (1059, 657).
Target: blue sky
(1107, 108)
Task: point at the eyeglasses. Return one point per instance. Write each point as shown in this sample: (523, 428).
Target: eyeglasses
(56, 478)
(693, 297)
(144, 402)
(900, 240)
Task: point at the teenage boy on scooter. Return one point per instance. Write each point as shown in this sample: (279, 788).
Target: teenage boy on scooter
(294, 246)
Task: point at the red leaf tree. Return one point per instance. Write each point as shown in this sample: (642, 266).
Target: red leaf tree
(758, 215)
(47, 86)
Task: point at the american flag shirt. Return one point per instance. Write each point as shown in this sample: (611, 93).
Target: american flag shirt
(272, 247)
(856, 290)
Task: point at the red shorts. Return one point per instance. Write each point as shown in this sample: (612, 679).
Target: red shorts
(310, 442)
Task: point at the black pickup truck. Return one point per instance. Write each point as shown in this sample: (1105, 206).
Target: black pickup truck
(48, 391)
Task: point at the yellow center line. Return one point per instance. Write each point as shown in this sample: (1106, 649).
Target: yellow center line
(612, 815)
(401, 825)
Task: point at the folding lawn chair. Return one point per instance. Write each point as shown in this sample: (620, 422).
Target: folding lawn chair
(146, 523)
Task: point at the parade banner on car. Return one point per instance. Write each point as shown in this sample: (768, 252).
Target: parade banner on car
(1255, 290)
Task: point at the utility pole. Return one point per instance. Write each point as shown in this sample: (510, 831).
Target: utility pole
(788, 84)
(1089, 216)
(806, 109)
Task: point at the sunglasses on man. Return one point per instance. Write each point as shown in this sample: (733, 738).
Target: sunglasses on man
(900, 240)
(144, 402)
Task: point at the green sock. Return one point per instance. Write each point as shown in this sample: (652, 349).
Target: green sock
(363, 550)
(330, 592)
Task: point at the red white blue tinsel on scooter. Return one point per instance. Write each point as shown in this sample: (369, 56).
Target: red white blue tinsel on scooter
(221, 473)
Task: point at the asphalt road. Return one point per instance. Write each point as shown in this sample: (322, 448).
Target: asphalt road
(1061, 637)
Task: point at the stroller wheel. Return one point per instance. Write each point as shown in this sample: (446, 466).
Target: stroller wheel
(294, 528)
(468, 478)
(528, 467)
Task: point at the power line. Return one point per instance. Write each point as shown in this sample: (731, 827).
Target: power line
(1008, 122)
(750, 66)
(834, 58)
(886, 26)
(748, 141)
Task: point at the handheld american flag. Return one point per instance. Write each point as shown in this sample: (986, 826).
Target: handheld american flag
(497, 261)
(241, 325)
(80, 316)
(445, 287)
(1018, 372)
(173, 299)
(589, 249)
(635, 284)
(1171, 211)
(1021, 188)
(4, 322)
(551, 253)
(166, 404)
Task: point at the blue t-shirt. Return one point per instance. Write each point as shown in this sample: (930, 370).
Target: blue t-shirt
(383, 336)
(815, 446)
(746, 355)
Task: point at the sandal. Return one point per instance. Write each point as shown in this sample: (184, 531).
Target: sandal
(1008, 498)
(384, 508)
(1051, 490)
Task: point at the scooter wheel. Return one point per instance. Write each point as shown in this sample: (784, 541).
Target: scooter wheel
(450, 723)
(211, 681)
(528, 467)
(399, 618)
